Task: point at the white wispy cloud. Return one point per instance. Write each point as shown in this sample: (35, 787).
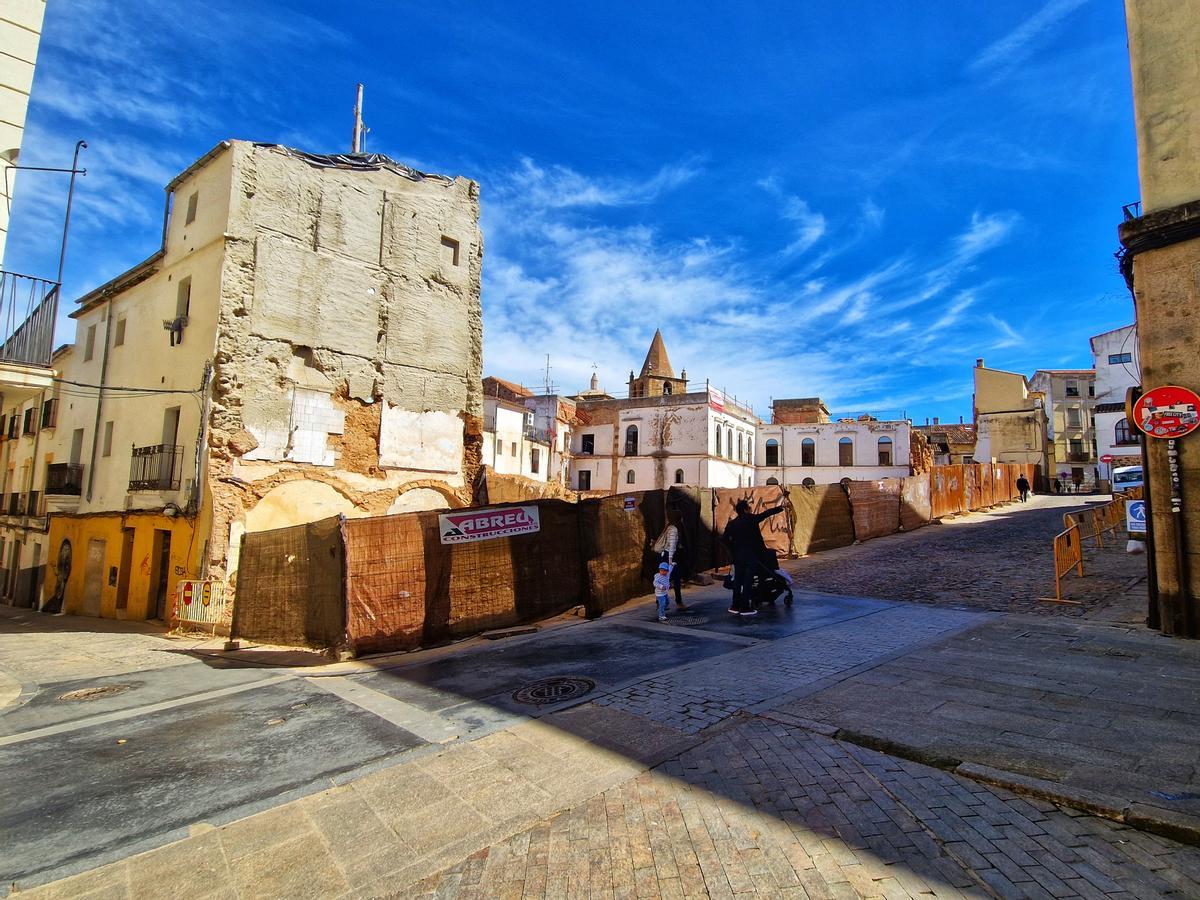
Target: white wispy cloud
(1015, 46)
(1006, 335)
(561, 187)
(810, 225)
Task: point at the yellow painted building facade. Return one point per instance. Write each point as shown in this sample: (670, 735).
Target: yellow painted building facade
(120, 566)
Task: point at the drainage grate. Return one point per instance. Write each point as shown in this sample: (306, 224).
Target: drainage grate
(553, 690)
(688, 620)
(95, 693)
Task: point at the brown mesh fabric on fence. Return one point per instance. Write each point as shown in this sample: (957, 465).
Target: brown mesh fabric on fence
(875, 506)
(405, 587)
(289, 586)
(695, 512)
(396, 571)
(776, 530)
(916, 507)
(948, 491)
(615, 543)
(822, 519)
(515, 579)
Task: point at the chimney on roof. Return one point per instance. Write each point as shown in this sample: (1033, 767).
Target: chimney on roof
(979, 362)
(935, 420)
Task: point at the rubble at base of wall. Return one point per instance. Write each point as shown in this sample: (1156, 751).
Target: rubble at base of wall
(390, 583)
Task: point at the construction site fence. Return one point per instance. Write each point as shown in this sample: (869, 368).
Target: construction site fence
(390, 582)
(1096, 521)
(1068, 555)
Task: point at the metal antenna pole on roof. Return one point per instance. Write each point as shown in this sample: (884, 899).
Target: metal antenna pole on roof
(356, 143)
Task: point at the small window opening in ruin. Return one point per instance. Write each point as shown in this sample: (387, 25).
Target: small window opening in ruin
(585, 480)
(193, 202)
(89, 347)
(450, 250)
(772, 453)
(679, 476)
(808, 452)
(534, 460)
(808, 482)
(587, 443)
(119, 333)
(631, 441)
(629, 477)
(514, 448)
(772, 480)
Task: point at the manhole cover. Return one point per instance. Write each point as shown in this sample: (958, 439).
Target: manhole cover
(553, 690)
(95, 693)
(688, 620)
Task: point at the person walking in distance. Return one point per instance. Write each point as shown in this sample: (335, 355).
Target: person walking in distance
(1023, 487)
(672, 549)
(746, 547)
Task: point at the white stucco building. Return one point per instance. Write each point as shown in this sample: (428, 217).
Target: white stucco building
(1115, 359)
(511, 445)
(802, 446)
(663, 434)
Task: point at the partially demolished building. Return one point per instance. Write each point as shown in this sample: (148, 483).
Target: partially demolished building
(306, 342)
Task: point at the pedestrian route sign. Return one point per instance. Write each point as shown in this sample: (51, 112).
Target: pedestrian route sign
(1135, 517)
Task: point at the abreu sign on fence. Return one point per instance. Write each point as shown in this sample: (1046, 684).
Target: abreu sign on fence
(486, 524)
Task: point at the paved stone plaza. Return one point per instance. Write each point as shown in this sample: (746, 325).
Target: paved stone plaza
(708, 757)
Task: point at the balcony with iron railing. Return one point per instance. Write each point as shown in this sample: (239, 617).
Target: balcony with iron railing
(156, 468)
(64, 479)
(27, 309)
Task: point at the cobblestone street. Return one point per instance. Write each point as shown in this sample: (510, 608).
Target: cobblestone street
(709, 756)
(1000, 560)
(768, 810)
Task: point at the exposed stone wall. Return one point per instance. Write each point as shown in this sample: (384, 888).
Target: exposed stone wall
(920, 454)
(350, 337)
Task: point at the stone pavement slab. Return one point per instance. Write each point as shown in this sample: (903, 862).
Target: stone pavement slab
(765, 809)
(1096, 708)
(699, 696)
(39, 648)
(397, 825)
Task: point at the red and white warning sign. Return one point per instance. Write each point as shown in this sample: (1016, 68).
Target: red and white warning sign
(487, 524)
(1169, 411)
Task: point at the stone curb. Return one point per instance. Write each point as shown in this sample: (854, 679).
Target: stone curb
(1178, 826)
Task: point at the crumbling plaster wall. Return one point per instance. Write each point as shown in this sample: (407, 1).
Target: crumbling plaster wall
(350, 337)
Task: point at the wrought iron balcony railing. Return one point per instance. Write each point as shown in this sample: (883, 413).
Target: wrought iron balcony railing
(28, 306)
(156, 468)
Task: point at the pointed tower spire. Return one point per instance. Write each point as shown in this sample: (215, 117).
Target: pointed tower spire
(657, 362)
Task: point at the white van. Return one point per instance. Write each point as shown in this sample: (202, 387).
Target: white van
(1126, 477)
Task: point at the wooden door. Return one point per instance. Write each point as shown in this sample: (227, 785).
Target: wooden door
(93, 577)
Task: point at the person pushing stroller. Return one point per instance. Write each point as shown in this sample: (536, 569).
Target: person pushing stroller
(747, 549)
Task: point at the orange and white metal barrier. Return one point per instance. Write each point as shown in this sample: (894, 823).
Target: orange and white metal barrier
(1095, 521)
(1068, 555)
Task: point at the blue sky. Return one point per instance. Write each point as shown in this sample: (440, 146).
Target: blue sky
(851, 200)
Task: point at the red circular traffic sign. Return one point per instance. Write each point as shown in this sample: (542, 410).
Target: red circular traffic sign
(1106, 458)
(1169, 411)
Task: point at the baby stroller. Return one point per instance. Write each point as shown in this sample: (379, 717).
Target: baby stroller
(769, 581)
